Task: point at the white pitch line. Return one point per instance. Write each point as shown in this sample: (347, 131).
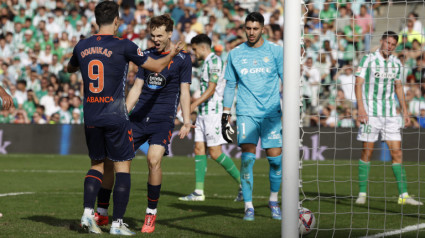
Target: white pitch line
(397, 232)
(14, 194)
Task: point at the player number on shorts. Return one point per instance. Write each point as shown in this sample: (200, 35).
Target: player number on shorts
(99, 76)
(366, 129)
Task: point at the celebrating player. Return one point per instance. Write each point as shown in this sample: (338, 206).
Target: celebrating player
(256, 66)
(152, 118)
(103, 62)
(378, 77)
(208, 125)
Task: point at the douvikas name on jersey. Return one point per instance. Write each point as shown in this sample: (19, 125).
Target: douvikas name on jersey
(103, 62)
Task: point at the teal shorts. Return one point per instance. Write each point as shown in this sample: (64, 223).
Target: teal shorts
(250, 129)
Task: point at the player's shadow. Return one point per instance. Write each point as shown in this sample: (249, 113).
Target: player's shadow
(74, 224)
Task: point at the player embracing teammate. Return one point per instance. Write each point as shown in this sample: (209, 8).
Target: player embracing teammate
(103, 62)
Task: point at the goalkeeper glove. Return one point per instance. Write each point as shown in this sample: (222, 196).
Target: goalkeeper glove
(226, 129)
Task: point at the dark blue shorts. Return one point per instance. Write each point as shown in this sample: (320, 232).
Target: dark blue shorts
(154, 132)
(112, 141)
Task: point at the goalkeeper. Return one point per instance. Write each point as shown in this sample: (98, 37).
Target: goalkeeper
(255, 67)
(208, 124)
(378, 81)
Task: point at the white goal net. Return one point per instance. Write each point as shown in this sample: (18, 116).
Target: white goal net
(336, 36)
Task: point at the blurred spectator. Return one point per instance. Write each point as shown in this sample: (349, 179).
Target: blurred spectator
(38, 119)
(48, 101)
(364, 20)
(64, 114)
(328, 14)
(311, 77)
(30, 105)
(411, 33)
(417, 25)
(21, 117)
(421, 116)
(343, 19)
(346, 80)
(54, 119)
(76, 118)
(419, 70)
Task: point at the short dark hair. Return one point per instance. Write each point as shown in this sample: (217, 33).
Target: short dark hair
(391, 34)
(255, 17)
(162, 20)
(201, 39)
(105, 12)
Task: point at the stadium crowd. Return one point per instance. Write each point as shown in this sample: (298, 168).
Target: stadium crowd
(37, 38)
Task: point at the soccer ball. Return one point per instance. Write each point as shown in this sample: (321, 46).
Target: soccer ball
(306, 221)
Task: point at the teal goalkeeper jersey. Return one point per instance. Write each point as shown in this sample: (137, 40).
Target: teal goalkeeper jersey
(257, 72)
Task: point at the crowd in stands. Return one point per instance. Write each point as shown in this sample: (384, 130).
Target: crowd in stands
(336, 35)
(37, 38)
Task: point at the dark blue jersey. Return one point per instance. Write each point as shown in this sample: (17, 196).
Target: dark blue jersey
(103, 62)
(161, 91)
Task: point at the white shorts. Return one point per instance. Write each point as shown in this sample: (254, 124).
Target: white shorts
(389, 127)
(208, 129)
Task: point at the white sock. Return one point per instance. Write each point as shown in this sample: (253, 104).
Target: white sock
(102, 211)
(151, 211)
(362, 194)
(273, 196)
(88, 211)
(404, 195)
(117, 223)
(199, 191)
(248, 205)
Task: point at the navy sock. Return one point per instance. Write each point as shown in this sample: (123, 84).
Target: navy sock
(103, 198)
(153, 195)
(92, 183)
(121, 194)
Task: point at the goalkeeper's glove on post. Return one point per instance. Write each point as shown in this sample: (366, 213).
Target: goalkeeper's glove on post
(226, 129)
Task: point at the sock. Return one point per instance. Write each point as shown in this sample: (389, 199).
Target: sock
(400, 176)
(273, 196)
(88, 211)
(151, 211)
(247, 179)
(229, 166)
(117, 223)
(364, 168)
(200, 169)
(248, 205)
(153, 195)
(275, 173)
(199, 191)
(121, 194)
(92, 183)
(103, 198)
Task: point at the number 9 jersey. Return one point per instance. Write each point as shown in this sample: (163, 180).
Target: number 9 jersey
(103, 62)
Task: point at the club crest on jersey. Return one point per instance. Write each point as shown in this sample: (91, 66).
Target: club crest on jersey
(156, 81)
(266, 59)
(383, 75)
(139, 52)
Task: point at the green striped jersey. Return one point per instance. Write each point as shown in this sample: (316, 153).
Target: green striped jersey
(212, 71)
(378, 89)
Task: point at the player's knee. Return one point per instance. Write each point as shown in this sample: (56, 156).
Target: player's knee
(215, 153)
(396, 155)
(154, 164)
(199, 151)
(275, 162)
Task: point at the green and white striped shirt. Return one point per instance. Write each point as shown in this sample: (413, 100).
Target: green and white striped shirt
(378, 89)
(212, 71)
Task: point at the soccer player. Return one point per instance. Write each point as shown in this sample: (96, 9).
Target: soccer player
(255, 67)
(378, 80)
(103, 62)
(208, 122)
(152, 119)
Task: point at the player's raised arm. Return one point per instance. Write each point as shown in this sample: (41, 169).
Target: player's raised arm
(159, 64)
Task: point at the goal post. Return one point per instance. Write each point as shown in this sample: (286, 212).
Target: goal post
(291, 118)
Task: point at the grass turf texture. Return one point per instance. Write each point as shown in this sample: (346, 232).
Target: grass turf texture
(55, 207)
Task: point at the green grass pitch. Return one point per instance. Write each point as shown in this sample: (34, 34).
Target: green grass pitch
(52, 206)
